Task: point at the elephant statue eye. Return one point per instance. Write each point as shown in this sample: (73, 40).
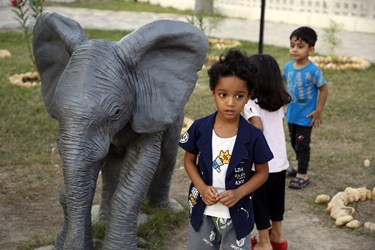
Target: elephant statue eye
(116, 114)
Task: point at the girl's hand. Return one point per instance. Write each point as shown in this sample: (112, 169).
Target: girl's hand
(209, 195)
(229, 197)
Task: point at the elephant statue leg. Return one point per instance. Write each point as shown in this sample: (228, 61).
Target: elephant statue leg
(111, 168)
(138, 168)
(60, 239)
(109, 172)
(158, 193)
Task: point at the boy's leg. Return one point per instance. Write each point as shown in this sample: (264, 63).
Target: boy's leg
(292, 135)
(302, 148)
(228, 234)
(207, 237)
(291, 171)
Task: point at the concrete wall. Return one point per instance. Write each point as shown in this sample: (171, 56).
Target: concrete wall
(352, 15)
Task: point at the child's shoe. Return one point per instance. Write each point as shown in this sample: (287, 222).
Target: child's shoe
(280, 246)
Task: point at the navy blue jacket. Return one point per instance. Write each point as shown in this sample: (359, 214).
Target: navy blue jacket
(250, 147)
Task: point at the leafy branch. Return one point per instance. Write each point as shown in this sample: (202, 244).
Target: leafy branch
(22, 10)
(330, 36)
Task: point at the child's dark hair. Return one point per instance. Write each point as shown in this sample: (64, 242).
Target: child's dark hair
(306, 34)
(268, 84)
(233, 63)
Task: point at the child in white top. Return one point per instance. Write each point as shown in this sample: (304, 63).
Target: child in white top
(265, 111)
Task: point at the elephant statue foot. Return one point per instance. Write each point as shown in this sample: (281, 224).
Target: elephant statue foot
(172, 204)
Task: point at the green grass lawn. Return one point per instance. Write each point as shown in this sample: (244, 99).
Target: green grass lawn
(339, 147)
(118, 5)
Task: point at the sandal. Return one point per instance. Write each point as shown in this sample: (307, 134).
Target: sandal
(278, 246)
(298, 183)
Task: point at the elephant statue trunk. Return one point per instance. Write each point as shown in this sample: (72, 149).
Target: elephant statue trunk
(79, 180)
(120, 108)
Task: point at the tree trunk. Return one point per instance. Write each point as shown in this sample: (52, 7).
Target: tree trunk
(205, 7)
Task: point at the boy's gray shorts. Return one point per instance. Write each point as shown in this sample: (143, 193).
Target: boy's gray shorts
(215, 232)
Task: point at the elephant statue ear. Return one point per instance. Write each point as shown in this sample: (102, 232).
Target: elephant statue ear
(163, 58)
(55, 38)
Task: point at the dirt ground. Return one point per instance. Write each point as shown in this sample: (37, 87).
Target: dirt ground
(306, 225)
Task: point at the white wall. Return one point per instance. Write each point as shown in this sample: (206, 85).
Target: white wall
(353, 15)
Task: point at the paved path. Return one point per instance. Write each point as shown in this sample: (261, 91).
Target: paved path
(353, 43)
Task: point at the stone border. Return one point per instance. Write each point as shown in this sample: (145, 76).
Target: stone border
(5, 53)
(222, 44)
(343, 214)
(27, 79)
(340, 62)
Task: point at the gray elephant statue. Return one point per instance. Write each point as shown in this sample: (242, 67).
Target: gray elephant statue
(120, 107)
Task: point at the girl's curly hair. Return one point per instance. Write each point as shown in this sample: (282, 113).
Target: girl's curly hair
(233, 63)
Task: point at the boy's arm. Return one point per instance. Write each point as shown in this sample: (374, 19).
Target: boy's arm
(230, 197)
(208, 193)
(317, 113)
